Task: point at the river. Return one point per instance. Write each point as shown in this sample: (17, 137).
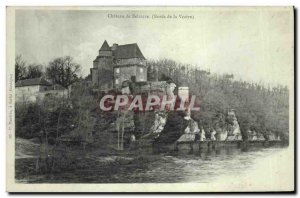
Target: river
(208, 166)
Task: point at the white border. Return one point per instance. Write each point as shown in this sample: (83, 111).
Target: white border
(5, 3)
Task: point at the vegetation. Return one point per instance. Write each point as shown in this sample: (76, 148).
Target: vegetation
(46, 120)
(52, 117)
(24, 71)
(63, 71)
(260, 108)
(257, 107)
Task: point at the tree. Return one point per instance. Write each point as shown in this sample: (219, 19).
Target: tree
(47, 119)
(20, 68)
(63, 71)
(34, 71)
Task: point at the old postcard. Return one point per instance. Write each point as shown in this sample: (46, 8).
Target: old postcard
(150, 99)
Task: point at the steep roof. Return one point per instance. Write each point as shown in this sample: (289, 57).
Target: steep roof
(128, 51)
(105, 46)
(32, 81)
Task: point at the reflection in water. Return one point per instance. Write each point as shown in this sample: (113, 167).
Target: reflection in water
(201, 167)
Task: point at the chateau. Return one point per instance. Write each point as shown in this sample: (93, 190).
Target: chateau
(116, 64)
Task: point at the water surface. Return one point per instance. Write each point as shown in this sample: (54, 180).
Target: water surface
(207, 166)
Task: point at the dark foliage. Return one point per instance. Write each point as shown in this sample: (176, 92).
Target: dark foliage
(38, 120)
(63, 71)
(265, 109)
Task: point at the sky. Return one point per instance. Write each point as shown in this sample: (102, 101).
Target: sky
(254, 44)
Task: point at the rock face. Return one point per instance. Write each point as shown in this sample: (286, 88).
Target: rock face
(152, 124)
(190, 131)
(174, 127)
(155, 123)
(234, 132)
(161, 126)
(222, 134)
(115, 129)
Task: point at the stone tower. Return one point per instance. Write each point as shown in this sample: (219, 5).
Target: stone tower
(117, 64)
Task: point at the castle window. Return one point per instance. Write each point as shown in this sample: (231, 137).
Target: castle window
(117, 81)
(141, 70)
(117, 70)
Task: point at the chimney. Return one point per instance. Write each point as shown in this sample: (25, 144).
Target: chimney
(114, 47)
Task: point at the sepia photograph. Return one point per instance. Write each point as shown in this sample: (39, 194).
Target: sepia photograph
(150, 99)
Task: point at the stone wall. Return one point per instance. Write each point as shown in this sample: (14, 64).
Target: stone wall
(30, 93)
(126, 72)
(37, 92)
(128, 61)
